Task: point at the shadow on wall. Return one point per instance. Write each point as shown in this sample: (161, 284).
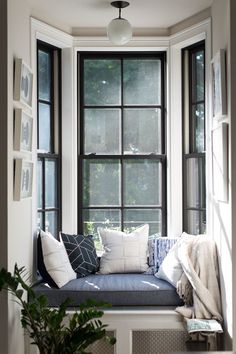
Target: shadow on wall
(224, 247)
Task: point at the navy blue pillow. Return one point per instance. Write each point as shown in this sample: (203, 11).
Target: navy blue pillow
(82, 253)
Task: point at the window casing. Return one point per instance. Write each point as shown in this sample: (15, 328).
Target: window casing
(194, 184)
(48, 138)
(122, 148)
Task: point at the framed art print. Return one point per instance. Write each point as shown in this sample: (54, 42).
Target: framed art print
(219, 85)
(23, 130)
(23, 83)
(23, 179)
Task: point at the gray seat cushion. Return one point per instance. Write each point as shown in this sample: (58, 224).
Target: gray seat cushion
(115, 289)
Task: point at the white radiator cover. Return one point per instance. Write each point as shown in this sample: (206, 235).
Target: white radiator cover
(161, 341)
(142, 331)
(153, 342)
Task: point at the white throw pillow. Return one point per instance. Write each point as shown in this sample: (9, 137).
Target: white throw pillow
(171, 269)
(124, 252)
(56, 260)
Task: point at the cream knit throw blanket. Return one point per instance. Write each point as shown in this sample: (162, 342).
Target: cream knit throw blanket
(199, 285)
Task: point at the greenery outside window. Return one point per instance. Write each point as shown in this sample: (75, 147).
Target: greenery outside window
(122, 149)
(48, 138)
(194, 185)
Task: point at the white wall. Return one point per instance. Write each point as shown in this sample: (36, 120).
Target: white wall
(3, 164)
(19, 213)
(222, 212)
(232, 108)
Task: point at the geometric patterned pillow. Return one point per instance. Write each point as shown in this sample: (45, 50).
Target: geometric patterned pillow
(158, 249)
(82, 253)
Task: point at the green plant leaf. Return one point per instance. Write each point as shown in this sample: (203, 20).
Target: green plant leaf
(43, 301)
(46, 326)
(19, 293)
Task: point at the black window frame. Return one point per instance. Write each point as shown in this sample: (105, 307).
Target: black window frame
(192, 141)
(161, 157)
(51, 155)
(190, 152)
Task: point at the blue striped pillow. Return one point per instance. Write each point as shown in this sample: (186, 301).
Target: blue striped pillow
(158, 248)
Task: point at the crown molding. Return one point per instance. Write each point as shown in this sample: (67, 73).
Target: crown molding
(54, 36)
(141, 42)
(50, 34)
(194, 30)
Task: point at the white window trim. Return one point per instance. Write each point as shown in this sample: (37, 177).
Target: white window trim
(181, 40)
(48, 34)
(172, 45)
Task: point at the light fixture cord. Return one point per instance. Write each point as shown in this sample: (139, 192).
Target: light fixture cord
(119, 12)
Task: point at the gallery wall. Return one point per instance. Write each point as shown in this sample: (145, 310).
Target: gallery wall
(19, 212)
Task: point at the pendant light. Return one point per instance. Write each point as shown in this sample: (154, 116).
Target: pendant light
(119, 30)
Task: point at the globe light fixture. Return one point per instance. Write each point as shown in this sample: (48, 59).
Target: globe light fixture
(119, 30)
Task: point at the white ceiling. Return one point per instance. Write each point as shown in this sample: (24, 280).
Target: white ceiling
(72, 15)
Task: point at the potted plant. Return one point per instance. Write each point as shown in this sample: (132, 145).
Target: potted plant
(51, 330)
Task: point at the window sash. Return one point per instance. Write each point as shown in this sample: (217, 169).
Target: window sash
(122, 157)
(51, 212)
(193, 214)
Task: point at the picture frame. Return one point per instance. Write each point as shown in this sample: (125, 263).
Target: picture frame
(23, 83)
(220, 162)
(23, 179)
(219, 101)
(23, 131)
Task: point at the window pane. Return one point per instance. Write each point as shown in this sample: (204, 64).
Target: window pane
(203, 222)
(142, 131)
(136, 217)
(40, 183)
(102, 131)
(196, 196)
(199, 124)
(100, 218)
(142, 182)
(101, 183)
(44, 75)
(142, 82)
(195, 222)
(44, 127)
(192, 226)
(40, 220)
(102, 82)
(198, 76)
(50, 183)
(51, 222)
